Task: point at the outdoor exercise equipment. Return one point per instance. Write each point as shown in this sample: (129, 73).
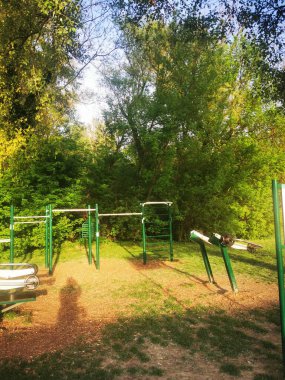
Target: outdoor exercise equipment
(23, 220)
(157, 228)
(278, 193)
(223, 242)
(89, 234)
(15, 282)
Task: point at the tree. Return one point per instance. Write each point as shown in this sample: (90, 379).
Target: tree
(189, 110)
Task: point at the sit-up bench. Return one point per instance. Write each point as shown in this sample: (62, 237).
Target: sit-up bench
(223, 242)
(17, 282)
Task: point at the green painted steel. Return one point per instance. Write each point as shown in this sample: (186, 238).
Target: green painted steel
(205, 257)
(143, 235)
(97, 237)
(11, 234)
(50, 238)
(164, 228)
(214, 240)
(279, 258)
(46, 237)
(89, 236)
(170, 235)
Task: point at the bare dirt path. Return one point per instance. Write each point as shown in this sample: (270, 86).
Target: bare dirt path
(78, 302)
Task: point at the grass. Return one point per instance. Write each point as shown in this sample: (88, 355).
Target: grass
(159, 331)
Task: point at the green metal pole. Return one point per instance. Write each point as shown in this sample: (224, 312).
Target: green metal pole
(279, 257)
(214, 240)
(46, 237)
(205, 257)
(89, 236)
(170, 233)
(143, 235)
(97, 231)
(11, 234)
(50, 239)
(229, 268)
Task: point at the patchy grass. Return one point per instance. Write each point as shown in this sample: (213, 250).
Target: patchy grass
(157, 332)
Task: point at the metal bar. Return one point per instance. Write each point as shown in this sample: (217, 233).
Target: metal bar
(46, 238)
(205, 257)
(89, 236)
(170, 235)
(156, 203)
(229, 268)
(97, 231)
(29, 217)
(123, 214)
(156, 236)
(143, 235)
(283, 208)
(11, 234)
(72, 209)
(279, 258)
(35, 222)
(50, 239)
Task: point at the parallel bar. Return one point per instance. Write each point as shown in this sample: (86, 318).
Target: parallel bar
(156, 236)
(35, 222)
(29, 217)
(157, 203)
(72, 209)
(122, 214)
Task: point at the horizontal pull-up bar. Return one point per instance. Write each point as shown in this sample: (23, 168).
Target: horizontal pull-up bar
(122, 214)
(30, 217)
(157, 203)
(34, 222)
(73, 209)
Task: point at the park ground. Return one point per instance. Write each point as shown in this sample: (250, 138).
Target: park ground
(134, 321)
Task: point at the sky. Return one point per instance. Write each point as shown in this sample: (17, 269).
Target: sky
(91, 96)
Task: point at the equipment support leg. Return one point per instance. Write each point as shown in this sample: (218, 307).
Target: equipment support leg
(89, 236)
(229, 268)
(280, 265)
(50, 239)
(11, 234)
(97, 232)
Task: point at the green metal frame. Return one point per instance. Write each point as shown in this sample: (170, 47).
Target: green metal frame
(224, 250)
(203, 250)
(10, 300)
(276, 187)
(49, 237)
(12, 232)
(168, 235)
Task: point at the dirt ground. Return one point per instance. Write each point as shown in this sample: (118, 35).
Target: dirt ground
(57, 318)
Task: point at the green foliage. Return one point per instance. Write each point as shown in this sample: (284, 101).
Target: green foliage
(201, 126)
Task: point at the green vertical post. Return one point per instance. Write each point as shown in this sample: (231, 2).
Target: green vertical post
(203, 250)
(46, 237)
(11, 234)
(89, 236)
(279, 257)
(97, 231)
(143, 235)
(170, 233)
(50, 239)
(229, 268)
(215, 240)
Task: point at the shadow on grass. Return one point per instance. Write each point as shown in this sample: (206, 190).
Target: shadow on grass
(144, 346)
